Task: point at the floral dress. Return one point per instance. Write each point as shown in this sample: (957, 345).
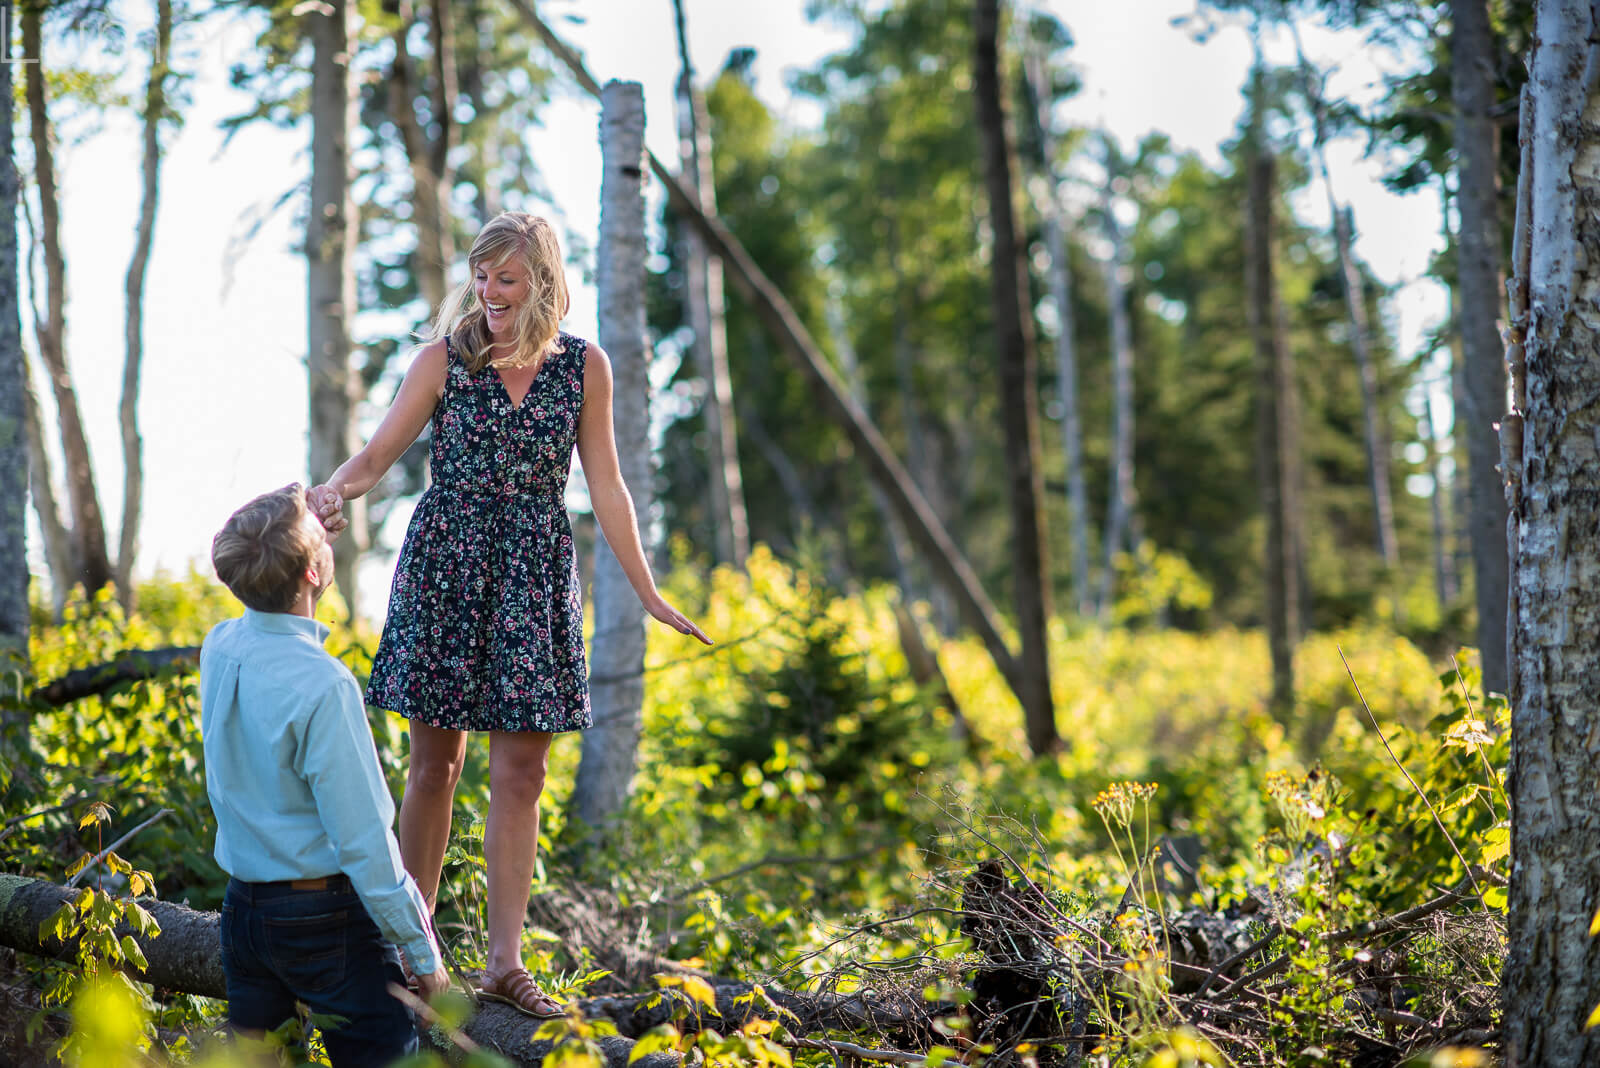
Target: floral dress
(485, 624)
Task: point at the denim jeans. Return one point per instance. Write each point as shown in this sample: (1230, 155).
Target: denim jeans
(281, 945)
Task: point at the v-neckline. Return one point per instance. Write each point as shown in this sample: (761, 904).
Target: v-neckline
(518, 402)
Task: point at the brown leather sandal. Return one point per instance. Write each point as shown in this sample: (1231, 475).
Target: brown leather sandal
(517, 989)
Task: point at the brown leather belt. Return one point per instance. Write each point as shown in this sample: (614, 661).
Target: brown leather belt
(326, 882)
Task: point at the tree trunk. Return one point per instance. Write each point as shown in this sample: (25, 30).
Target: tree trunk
(1375, 436)
(155, 106)
(616, 663)
(57, 539)
(91, 565)
(14, 424)
(1048, 203)
(708, 318)
(330, 269)
(1120, 503)
(1444, 574)
(1274, 423)
(431, 178)
(1552, 450)
(1019, 389)
(778, 315)
(1484, 377)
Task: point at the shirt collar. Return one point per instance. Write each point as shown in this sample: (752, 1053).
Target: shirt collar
(287, 623)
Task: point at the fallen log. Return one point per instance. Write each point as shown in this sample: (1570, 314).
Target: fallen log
(186, 958)
(133, 666)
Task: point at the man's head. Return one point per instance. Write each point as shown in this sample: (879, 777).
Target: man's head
(272, 550)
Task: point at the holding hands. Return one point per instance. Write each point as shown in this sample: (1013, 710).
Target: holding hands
(328, 506)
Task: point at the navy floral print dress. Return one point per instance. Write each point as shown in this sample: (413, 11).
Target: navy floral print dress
(485, 624)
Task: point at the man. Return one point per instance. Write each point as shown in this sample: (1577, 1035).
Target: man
(317, 891)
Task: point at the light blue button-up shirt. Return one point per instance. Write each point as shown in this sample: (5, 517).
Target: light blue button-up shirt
(293, 774)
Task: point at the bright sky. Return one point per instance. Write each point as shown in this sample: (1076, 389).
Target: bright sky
(223, 405)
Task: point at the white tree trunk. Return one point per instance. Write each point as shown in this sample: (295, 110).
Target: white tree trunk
(155, 105)
(1120, 531)
(330, 268)
(13, 416)
(57, 539)
(616, 661)
(1047, 200)
(1552, 976)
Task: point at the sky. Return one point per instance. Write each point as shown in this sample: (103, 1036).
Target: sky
(223, 402)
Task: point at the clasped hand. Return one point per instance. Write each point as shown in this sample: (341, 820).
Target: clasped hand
(326, 504)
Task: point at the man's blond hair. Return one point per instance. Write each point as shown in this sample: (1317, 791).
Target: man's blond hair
(264, 548)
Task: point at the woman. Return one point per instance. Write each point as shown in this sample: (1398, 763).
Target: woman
(485, 630)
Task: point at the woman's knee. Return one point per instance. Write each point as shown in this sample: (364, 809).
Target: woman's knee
(517, 769)
(434, 772)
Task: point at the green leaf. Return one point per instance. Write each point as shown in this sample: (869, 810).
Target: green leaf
(658, 1038)
(133, 954)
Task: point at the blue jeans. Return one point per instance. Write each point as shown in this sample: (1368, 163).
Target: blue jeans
(281, 945)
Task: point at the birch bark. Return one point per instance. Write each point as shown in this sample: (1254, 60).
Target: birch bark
(330, 268)
(1552, 974)
(616, 662)
(155, 107)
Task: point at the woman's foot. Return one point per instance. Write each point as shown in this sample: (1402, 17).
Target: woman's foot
(517, 989)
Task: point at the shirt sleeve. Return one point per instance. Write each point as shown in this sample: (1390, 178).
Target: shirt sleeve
(340, 763)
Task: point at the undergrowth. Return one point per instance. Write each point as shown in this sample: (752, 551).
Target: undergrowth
(806, 815)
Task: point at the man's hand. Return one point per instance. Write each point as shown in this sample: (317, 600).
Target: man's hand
(326, 504)
(431, 984)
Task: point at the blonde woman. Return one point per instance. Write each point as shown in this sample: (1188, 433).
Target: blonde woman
(485, 624)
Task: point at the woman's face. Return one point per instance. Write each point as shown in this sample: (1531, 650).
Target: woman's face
(501, 289)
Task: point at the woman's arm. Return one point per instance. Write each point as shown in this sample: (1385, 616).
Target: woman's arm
(413, 406)
(613, 504)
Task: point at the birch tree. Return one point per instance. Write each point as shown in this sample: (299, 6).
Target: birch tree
(1047, 201)
(330, 268)
(707, 317)
(1472, 59)
(1121, 531)
(1375, 436)
(1551, 450)
(616, 662)
(90, 563)
(155, 108)
(13, 436)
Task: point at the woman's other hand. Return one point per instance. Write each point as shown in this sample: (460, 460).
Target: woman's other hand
(675, 619)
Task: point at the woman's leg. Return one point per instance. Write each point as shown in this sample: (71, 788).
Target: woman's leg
(436, 758)
(517, 763)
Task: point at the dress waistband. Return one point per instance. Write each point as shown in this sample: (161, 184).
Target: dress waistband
(552, 493)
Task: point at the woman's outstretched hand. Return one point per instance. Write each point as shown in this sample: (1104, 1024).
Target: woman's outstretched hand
(675, 619)
(326, 504)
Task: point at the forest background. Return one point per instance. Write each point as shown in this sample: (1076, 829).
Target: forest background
(1241, 460)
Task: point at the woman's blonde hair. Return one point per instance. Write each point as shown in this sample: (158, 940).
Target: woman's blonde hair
(531, 241)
